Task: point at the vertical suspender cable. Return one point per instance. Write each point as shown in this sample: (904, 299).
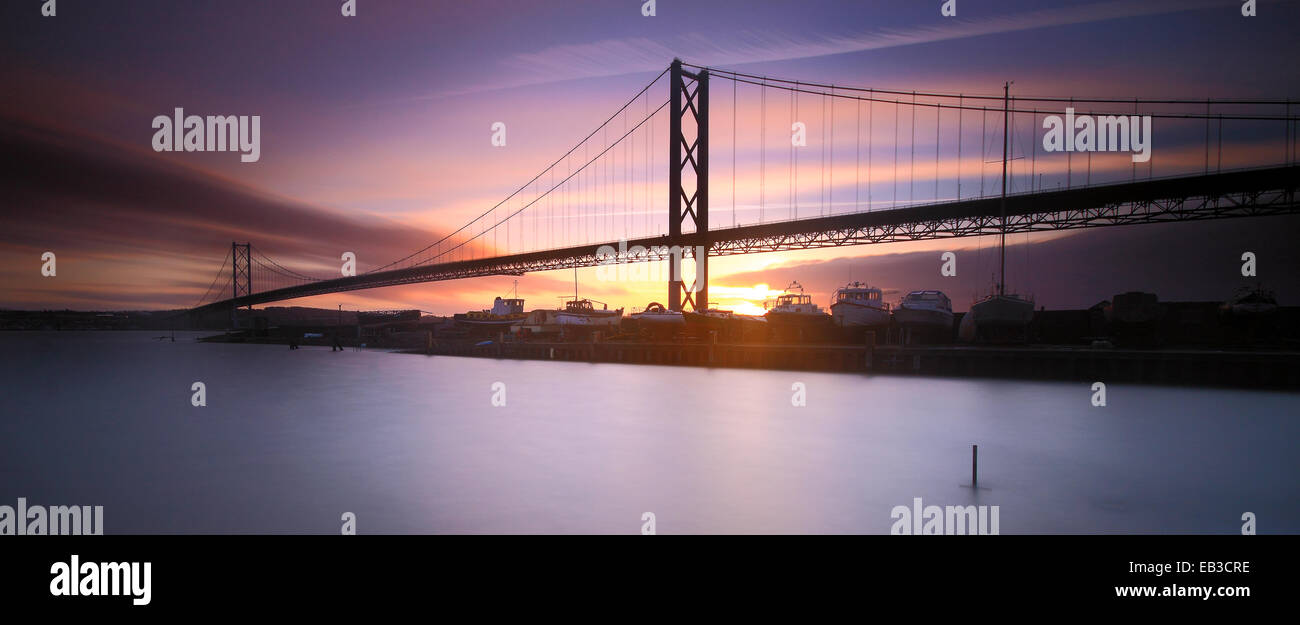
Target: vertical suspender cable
(961, 117)
(911, 173)
(762, 151)
(857, 163)
(938, 116)
(897, 104)
(830, 173)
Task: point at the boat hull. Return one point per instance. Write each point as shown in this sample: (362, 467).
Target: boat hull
(998, 318)
(852, 315)
(799, 327)
(588, 321)
(923, 318)
(1003, 311)
(727, 327)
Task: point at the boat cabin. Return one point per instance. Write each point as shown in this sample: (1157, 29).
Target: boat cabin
(928, 299)
(857, 295)
(512, 306)
(581, 306)
(789, 300)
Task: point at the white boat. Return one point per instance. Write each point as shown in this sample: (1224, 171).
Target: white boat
(580, 316)
(925, 310)
(791, 305)
(538, 322)
(859, 305)
(794, 316)
(583, 313)
(657, 315)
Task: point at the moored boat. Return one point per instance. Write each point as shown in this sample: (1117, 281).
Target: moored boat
(582, 313)
(924, 313)
(1001, 316)
(859, 305)
(505, 313)
(658, 321)
(924, 309)
(794, 316)
(727, 324)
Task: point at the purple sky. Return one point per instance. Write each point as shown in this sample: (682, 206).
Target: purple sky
(375, 129)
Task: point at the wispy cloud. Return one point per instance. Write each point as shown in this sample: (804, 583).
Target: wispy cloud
(613, 57)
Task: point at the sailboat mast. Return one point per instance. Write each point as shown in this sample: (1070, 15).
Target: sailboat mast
(1006, 124)
(575, 284)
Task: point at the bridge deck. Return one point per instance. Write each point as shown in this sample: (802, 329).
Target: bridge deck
(1247, 193)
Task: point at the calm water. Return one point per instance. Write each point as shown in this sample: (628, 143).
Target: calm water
(289, 440)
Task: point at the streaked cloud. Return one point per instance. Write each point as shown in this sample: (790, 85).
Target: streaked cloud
(611, 57)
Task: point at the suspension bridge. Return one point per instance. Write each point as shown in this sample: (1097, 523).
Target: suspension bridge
(835, 166)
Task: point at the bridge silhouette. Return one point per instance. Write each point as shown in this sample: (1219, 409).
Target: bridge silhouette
(610, 198)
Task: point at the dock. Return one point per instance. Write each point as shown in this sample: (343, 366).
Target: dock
(1199, 367)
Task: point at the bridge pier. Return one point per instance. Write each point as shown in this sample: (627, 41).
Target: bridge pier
(695, 155)
(241, 265)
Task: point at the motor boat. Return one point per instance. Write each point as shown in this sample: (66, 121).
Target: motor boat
(924, 309)
(503, 314)
(858, 305)
(794, 315)
(924, 313)
(582, 313)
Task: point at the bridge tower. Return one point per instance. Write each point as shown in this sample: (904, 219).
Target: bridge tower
(693, 105)
(241, 269)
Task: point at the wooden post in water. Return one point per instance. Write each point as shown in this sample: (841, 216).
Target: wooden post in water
(974, 465)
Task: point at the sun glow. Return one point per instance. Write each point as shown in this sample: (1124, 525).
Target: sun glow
(744, 300)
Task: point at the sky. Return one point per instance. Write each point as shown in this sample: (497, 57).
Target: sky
(376, 138)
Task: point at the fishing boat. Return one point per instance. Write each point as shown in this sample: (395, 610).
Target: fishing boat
(582, 313)
(925, 312)
(505, 313)
(580, 317)
(858, 305)
(794, 316)
(1001, 316)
